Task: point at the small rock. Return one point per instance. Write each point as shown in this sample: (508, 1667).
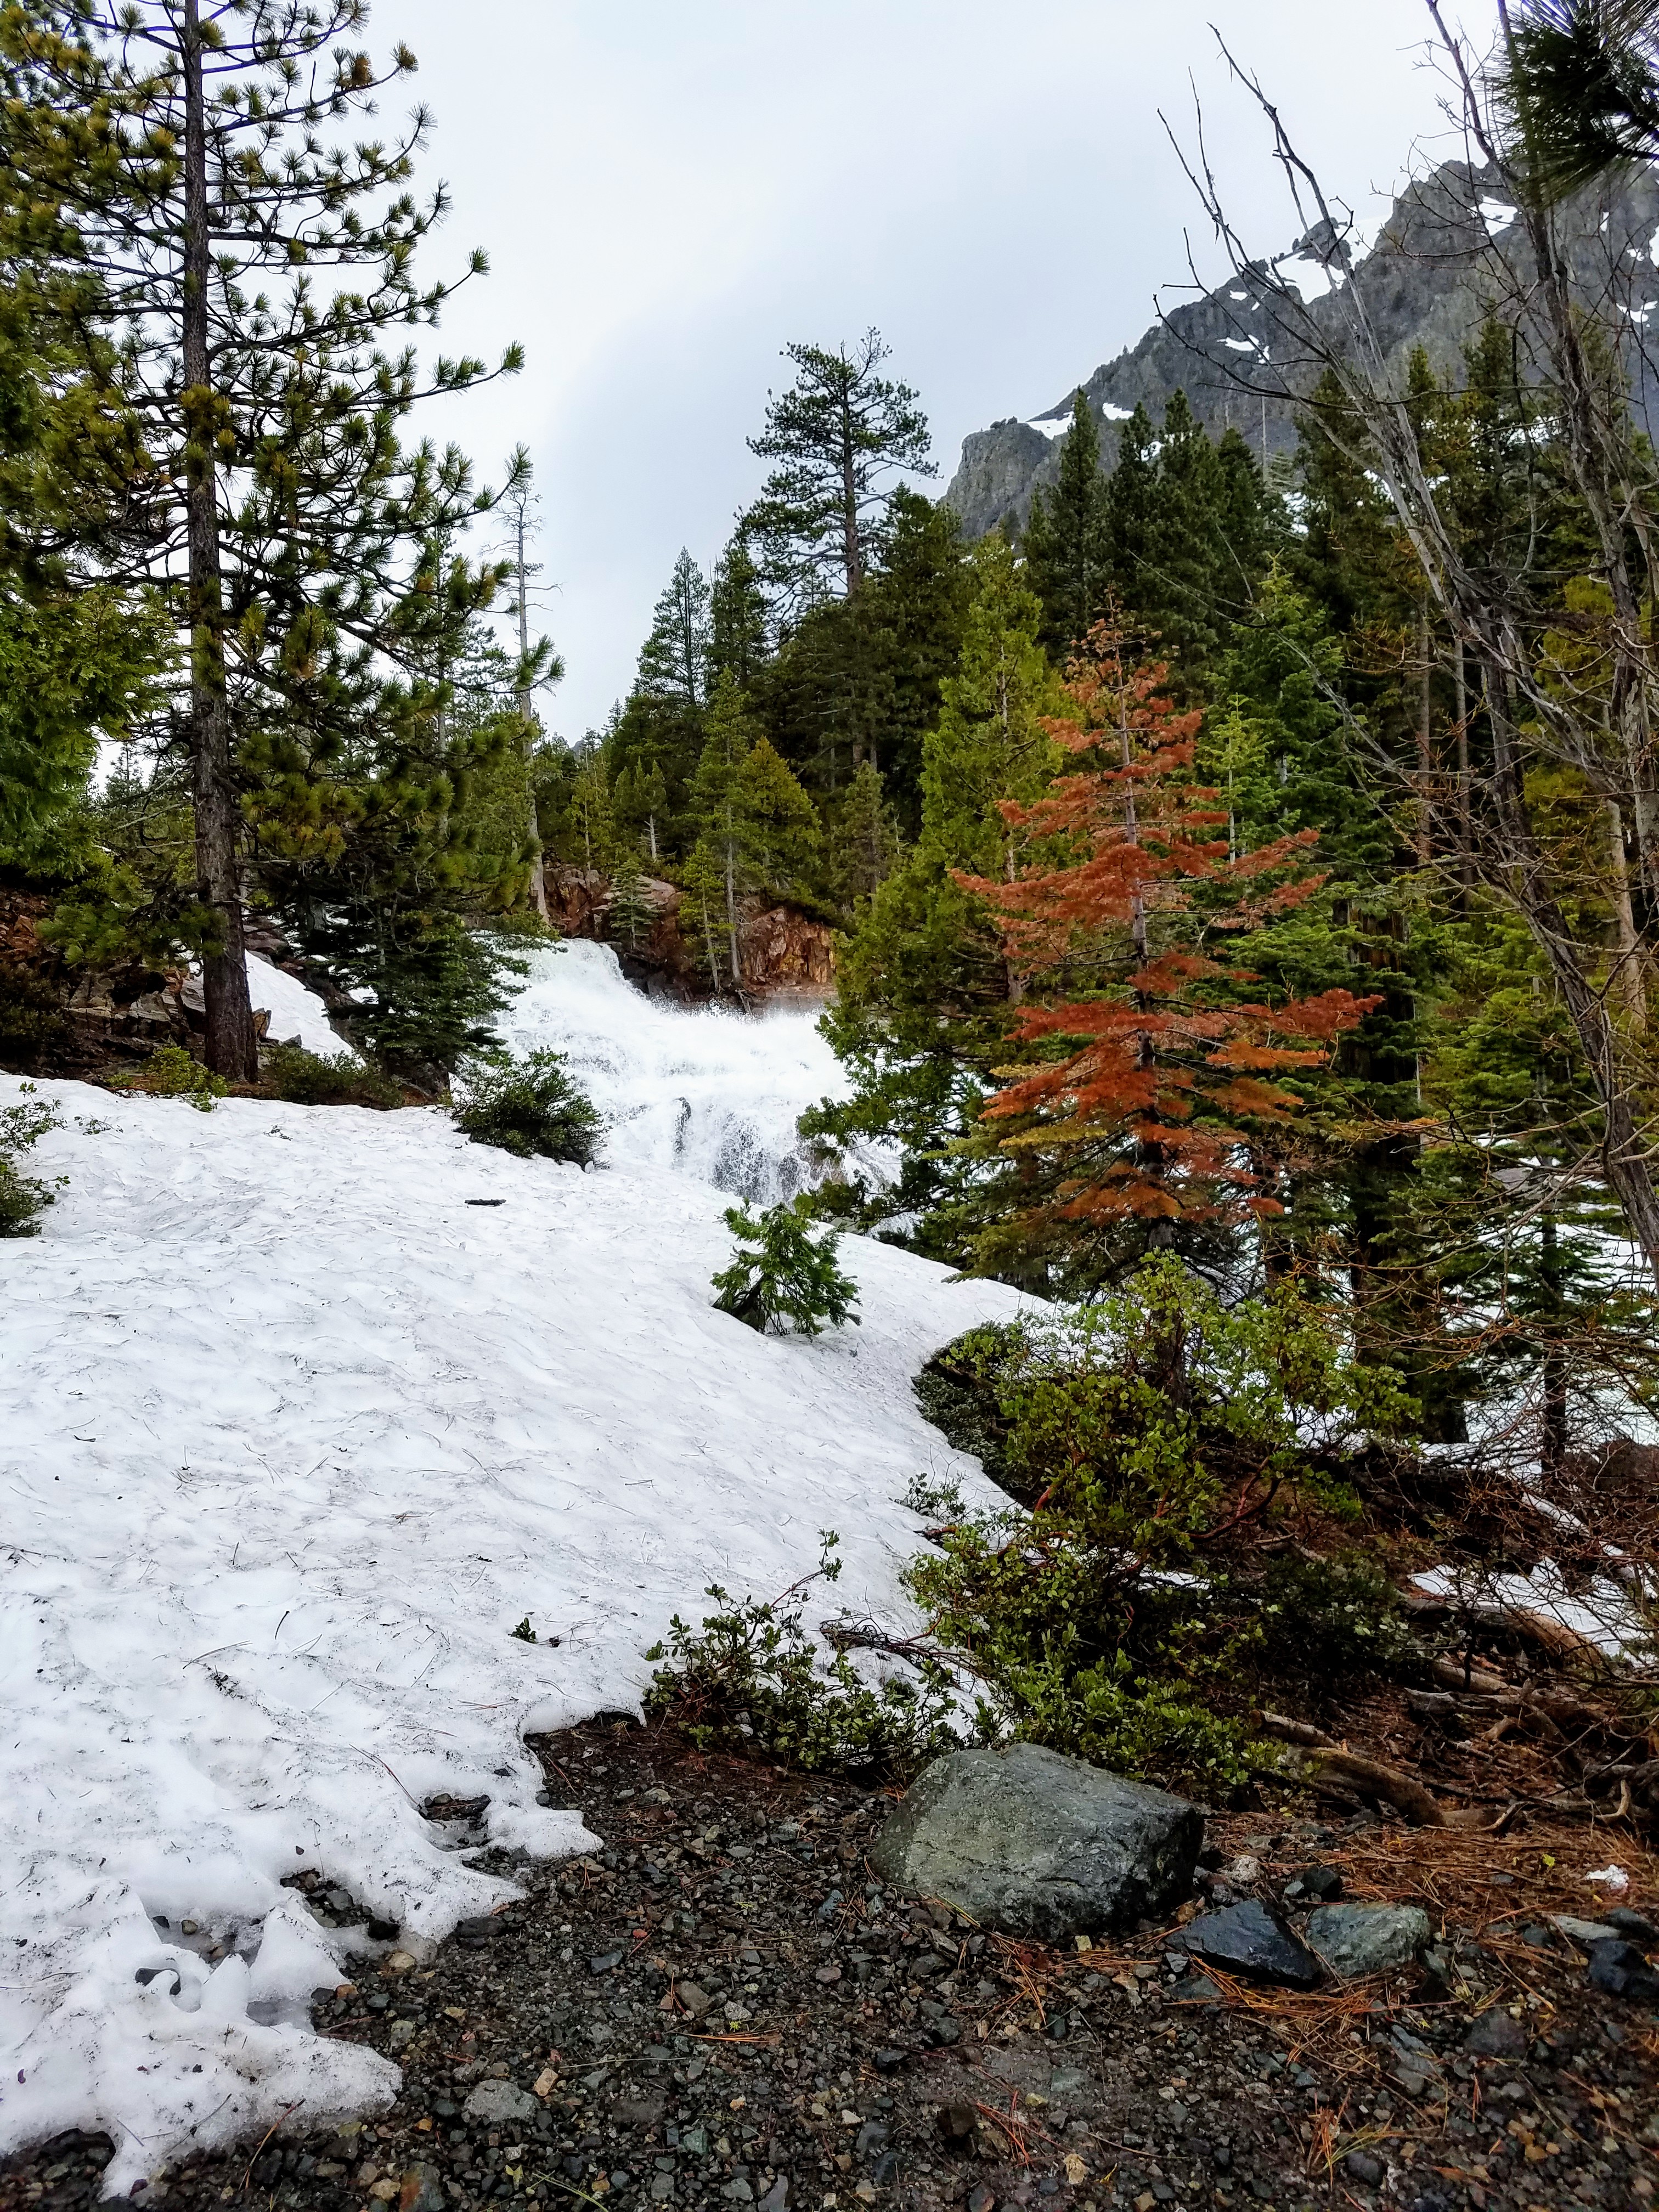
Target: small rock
(1619, 1968)
(403, 2033)
(872, 2136)
(605, 1962)
(1589, 1931)
(889, 2061)
(1367, 2171)
(421, 2191)
(776, 2198)
(1248, 1939)
(1245, 1869)
(1495, 2035)
(695, 2001)
(1035, 1844)
(497, 2104)
(983, 2199)
(1354, 1940)
(1631, 1925)
(400, 1962)
(1323, 1884)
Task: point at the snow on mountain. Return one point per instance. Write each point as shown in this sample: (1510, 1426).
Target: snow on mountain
(295, 1430)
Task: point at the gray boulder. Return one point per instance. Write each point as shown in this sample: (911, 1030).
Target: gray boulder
(1354, 1940)
(1035, 1844)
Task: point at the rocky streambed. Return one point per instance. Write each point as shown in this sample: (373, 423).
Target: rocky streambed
(729, 2007)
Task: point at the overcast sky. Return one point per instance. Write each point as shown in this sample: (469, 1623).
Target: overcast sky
(668, 193)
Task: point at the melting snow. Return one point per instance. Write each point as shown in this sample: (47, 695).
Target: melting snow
(293, 1434)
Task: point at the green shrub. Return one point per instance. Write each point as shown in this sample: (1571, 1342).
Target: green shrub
(1332, 1620)
(172, 1072)
(783, 1277)
(530, 1108)
(1155, 1434)
(1133, 1724)
(312, 1078)
(23, 1198)
(751, 1680)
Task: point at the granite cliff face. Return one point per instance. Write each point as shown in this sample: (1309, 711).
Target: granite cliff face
(1436, 265)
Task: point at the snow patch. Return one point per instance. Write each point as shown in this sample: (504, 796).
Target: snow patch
(293, 1434)
(295, 1012)
(1497, 215)
(1052, 426)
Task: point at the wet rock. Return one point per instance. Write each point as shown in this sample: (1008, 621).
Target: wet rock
(1495, 2035)
(1631, 1925)
(1322, 1885)
(1620, 1969)
(500, 2104)
(1248, 1939)
(1355, 1940)
(1035, 1844)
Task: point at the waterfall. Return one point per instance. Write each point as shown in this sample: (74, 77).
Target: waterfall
(701, 1092)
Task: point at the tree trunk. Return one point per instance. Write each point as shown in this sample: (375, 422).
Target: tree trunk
(1424, 736)
(851, 551)
(538, 872)
(231, 1047)
(1630, 975)
(731, 902)
(1464, 827)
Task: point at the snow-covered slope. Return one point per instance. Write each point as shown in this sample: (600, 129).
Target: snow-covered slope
(291, 1436)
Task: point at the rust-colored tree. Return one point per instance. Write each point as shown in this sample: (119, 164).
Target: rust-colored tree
(1152, 1096)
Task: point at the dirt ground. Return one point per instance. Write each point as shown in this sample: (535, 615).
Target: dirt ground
(726, 2009)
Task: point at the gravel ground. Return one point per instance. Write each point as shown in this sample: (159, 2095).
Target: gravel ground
(726, 2009)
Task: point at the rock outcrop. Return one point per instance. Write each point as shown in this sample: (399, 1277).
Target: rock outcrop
(783, 953)
(1427, 281)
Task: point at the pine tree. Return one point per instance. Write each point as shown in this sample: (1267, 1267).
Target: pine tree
(863, 843)
(1067, 543)
(183, 144)
(738, 644)
(835, 436)
(1132, 498)
(1147, 1102)
(674, 659)
(923, 991)
(591, 808)
(756, 822)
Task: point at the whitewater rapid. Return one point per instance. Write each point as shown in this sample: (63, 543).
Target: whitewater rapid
(702, 1092)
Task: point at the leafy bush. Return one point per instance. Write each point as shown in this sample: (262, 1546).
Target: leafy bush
(172, 1072)
(1331, 1619)
(782, 1276)
(1154, 1434)
(750, 1680)
(23, 1198)
(530, 1108)
(312, 1078)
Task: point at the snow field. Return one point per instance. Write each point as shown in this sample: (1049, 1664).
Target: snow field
(291, 1436)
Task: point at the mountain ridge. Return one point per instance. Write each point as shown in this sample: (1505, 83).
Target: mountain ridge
(1425, 282)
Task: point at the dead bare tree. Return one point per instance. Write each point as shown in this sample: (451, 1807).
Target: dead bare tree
(1598, 719)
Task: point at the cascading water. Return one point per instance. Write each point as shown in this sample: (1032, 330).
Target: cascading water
(705, 1092)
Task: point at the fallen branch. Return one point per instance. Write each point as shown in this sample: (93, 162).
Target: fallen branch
(1368, 1775)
